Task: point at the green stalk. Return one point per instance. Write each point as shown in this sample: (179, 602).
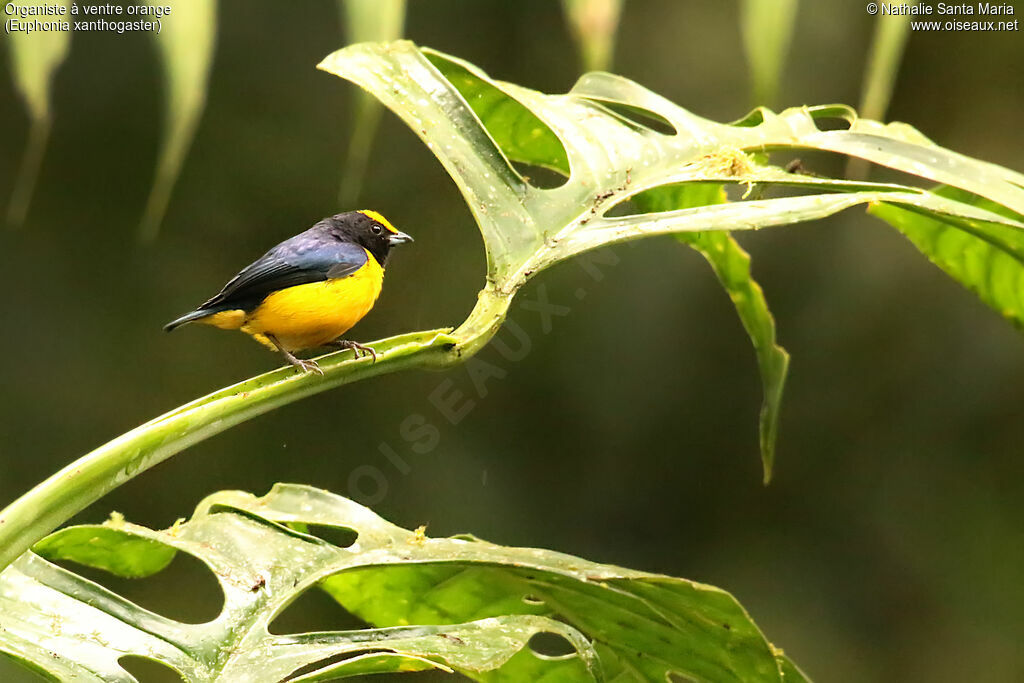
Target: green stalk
(54, 501)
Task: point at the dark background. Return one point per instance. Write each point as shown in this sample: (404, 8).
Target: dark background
(890, 545)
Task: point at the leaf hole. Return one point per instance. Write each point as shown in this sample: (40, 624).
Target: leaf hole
(161, 592)
(150, 670)
(676, 677)
(622, 208)
(739, 192)
(325, 663)
(540, 177)
(827, 123)
(825, 166)
(811, 162)
(977, 200)
(532, 600)
(669, 198)
(753, 118)
(13, 668)
(552, 646)
(339, 536)
(518, 132)
(314, 610)
(640, 117)
(385, 661)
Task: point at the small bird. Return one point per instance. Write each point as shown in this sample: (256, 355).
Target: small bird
(308, 290)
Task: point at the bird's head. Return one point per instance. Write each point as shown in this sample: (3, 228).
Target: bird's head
(368, 229)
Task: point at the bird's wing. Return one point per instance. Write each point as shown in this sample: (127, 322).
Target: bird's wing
(287, 265)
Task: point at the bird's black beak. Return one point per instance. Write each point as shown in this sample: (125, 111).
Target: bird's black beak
(398, 238)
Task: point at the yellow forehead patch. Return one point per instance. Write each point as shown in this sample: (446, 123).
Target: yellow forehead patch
(379, 218)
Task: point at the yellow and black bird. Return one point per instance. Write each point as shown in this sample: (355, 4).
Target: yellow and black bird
(308, 290)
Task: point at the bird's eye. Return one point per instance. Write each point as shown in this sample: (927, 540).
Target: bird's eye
(376, 230)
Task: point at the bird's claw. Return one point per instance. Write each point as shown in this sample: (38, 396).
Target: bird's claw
(299, 363)
(357, 348)
(308, 366)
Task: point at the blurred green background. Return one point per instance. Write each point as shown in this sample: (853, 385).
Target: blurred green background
(890, 545)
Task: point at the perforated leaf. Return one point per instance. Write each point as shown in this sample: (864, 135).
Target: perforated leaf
(55, 621)
(477, 126)
(457, 604)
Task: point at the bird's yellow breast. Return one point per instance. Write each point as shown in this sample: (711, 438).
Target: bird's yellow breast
(310, 315)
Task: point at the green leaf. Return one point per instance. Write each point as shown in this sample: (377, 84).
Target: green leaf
(648, 625)
(452, 603)
(109, 548)
(642, 623)
(767, 28)
(522, 136)
(593, 24)
(987, 258)
(365, 20)
(185, 42)
(35, 58)
(732, 267)
(516, 130)
(611, 158)
(55, 621)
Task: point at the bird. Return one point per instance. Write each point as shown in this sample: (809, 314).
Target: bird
(309, 290)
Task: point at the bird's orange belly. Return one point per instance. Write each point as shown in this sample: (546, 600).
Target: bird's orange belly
(311, 315)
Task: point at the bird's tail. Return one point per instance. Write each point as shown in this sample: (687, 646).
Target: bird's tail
(187, 318)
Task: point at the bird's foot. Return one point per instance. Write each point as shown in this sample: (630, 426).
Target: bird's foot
(302, 365)
(356, 347)
(306, 365)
